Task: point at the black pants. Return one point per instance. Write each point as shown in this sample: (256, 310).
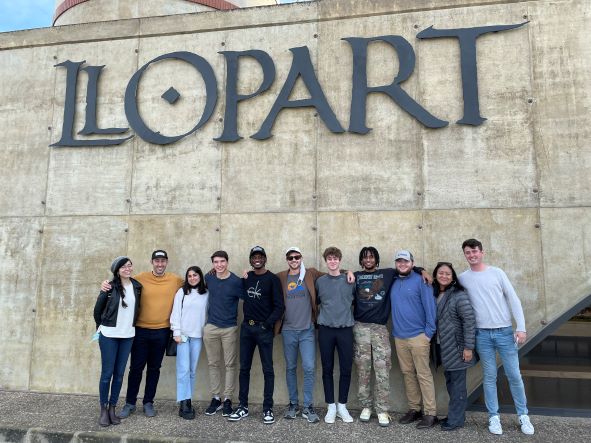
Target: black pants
(455, 381)
(252, 336)
(147, 349)
(342, 340)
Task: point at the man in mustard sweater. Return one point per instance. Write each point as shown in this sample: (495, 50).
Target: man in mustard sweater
(151, 332)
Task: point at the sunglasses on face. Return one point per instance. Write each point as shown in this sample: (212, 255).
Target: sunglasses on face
(294, 257)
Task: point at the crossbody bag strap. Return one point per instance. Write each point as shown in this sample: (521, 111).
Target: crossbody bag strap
(182, 304)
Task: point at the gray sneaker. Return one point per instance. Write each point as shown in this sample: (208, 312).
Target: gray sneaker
(291, 412)
(309, 413)
(126, 411)
(149, 410)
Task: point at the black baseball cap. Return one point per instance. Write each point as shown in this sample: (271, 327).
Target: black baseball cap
(159, 253)
(257, 250)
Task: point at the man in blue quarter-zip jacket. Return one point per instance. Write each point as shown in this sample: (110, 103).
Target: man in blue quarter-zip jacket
(413, 325)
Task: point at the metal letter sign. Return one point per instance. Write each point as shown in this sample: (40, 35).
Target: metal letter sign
(133, 115)
(70, 108)
(230, 133)
(301, 68)
(406, 57)
(467, 38)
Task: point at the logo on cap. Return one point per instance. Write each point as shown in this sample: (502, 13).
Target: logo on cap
(257, 250)
(159, 253)
(404, 255)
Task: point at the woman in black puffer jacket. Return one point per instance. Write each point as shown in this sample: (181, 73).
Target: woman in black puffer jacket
(456, 336)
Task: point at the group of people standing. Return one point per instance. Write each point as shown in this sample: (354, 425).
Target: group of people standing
(448, 323)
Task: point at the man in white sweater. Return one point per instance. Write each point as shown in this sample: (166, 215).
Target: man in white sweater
(494, 302)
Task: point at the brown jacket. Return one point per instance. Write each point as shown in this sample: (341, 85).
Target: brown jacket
(310, 278)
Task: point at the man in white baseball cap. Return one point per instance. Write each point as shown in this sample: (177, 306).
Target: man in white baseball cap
(413, 326)
(298, 331)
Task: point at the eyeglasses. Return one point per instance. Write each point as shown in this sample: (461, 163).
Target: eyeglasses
(294, 257)
(129, 266)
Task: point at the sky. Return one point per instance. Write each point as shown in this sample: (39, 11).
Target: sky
(28, 14)
(25, 14)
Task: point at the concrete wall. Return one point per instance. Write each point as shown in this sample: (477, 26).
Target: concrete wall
(519, 182)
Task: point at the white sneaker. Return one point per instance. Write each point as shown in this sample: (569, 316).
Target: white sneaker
(365, 415)
(494, 425)
(526, 426)
(384, 419)
(343, 414)
(331, 413)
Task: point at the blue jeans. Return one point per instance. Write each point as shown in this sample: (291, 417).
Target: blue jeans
(187, 358)
(488, 343)
(114, 355)
(303, 341)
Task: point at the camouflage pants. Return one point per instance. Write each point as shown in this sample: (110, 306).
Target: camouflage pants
(372, 345)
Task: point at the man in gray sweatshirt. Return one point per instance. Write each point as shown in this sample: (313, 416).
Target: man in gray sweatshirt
(494, 300)
(335, 332)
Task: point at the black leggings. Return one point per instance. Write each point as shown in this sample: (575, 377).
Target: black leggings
(341, 339)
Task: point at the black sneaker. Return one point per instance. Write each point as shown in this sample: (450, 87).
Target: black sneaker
(214, 406)
(268, 417)
(227, 408)
(240, 413)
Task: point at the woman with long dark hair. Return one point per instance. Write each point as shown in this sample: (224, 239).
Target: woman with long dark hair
(115, 314)
(456, 335)
(187, 321)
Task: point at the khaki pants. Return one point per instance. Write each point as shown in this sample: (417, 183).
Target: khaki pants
(221, 345)
(413, 357)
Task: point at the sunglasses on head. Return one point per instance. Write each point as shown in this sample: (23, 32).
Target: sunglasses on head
(444, 263)
(294, 257)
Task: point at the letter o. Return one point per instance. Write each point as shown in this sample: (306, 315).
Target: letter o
(131, 108)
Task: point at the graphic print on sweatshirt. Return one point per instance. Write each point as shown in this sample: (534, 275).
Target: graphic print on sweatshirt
(371, 287)
(295, 289)
(254, 292)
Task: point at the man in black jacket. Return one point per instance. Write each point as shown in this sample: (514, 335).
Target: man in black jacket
(263, 306)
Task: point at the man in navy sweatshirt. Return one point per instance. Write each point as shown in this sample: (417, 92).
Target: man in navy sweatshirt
(220, 334)
(413, 325)
(263, 306)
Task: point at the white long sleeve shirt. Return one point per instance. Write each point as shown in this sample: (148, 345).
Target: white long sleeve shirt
(191, 320)
(124, 327)
(493, 298)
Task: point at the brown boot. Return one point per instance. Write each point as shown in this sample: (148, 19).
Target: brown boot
(104, 418)
(113, 416)
(410, 416)
(428, 421)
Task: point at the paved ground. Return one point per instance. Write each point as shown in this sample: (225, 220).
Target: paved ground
(31, 417)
